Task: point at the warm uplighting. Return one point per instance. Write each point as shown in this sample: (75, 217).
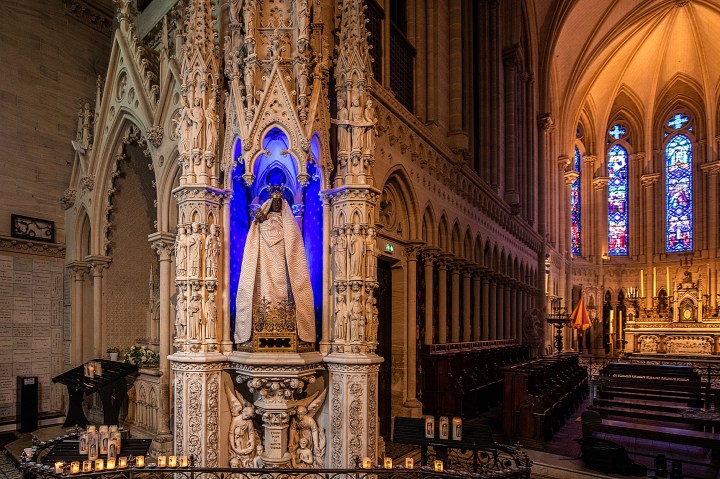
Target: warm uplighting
(409, 463)
(388, 463)
(122, 462)
(110, 463)
(87, 466)
(99, 464)
(59, 467)
(438, 466)
(140, 461)
(162, 461)
(172, 461)
(366, 464)
(74, 467)
(183, 461)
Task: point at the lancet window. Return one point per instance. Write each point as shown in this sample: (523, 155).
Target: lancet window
(575, 206)
(617, 164)
(678, 183)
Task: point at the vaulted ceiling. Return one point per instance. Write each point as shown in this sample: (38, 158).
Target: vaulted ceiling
(645, 50)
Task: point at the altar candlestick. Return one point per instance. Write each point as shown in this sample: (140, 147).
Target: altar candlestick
(642, 283)
(654, 290)
(611, 320)
(667, 280)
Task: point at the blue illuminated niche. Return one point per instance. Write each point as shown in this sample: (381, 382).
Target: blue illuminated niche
(273, 169)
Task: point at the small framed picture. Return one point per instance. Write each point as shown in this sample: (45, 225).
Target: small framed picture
(32, 228)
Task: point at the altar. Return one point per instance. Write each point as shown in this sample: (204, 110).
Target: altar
(682, 323)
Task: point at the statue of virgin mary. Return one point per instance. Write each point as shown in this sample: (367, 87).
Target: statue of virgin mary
(274, 271)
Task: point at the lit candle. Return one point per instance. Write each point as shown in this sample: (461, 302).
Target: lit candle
(457, 429)
(87, 466)
(438, 466)
(388, 463)
(612, 320)
(122, 462)
(110, 463)
(140, 461)
(409, 463)
(99, 464)
(59, 467)
(667, 280)
(429, 426)
(162, 461)
(74, 467)
(654, 290)
(444, 425)
(621, 327)
(91, 371)
(366, 463)
(183, 461)
(172, 461)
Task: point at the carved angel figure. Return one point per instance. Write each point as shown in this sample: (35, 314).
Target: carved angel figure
(243, 437)
(307, 439)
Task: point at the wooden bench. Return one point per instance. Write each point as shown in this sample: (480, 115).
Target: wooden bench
(634, 411)
(651, 370)
(655, 433)
(475, 438)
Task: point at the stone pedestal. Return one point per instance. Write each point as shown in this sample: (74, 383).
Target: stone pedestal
(275, 379)
(197, 405)
(353, 407)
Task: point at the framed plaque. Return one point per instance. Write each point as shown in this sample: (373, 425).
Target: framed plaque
(32, 228)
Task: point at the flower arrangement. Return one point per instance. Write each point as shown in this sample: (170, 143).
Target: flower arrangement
(142, 356)
(113, 349)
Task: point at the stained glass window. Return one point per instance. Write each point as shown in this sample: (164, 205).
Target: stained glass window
(617, 132)
(575, 207)
(678, 194)
(618, 201)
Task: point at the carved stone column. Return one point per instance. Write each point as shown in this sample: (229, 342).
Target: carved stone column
(455, 304)
(442, 298)
(500, 318)
(513, 312)
(648, 181)
(601, 205)
(429, 257)
(467, 321)
(97, 266)
(164, 246)
(411, 339)
(477, 309)
(711, 170)
(507, 313)
(79, 269)
(511, 62)
(485, 309)
(493, 313)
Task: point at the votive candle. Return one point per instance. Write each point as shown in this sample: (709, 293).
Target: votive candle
(99, 464)
(122, 462)
(110, 463)
(409, 463)
(162, 461)
(140, 461)
(172, 461)
(59, 467)
(388, 463)
(438, 466)
(183, 461)
(456, 429)
(74, 467)
(366, 464)
(87, 466)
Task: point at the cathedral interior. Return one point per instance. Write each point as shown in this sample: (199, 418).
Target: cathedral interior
(287, 207)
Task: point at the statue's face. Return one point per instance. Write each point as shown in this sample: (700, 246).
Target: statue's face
(301, 412)
(276, 205)
(247, 413)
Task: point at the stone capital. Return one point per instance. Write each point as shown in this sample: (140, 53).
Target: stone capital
(78, 268)
(411, 251)
(570, 177)
(546, 122)
(711, 168)
(639, 156)
(563, 161)
(97, 264)
(600, 182)
(589, 160)
(163, 244)
(429, 256)
(649, 179)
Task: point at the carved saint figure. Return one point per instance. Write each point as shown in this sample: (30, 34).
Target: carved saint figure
(181, 251)
(371, 313)
(196, 117)
(211, 132)
(250, 83)
(194, 249)
(194, 316)
(210, 311)
(249, 14)
(180, 316)
(303, 22)
(356, 312)
(369, 115)
(305, 427)
(340, 257)
(341, 313)
(234, 12)
(370, 259)
(357, 117)
(275, 269)
(243, 437)
(212, 252)
(343, 135)
(356, 252)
